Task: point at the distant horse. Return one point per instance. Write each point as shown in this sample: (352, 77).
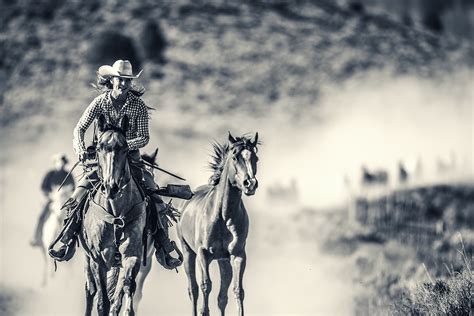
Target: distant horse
(214, 224)
(376, 177)
(403, 175)
(113, 226)
(53, 225)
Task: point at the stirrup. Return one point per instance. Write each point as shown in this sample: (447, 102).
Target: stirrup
(166, 260)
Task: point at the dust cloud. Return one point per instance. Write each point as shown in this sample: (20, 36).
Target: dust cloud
(376, 119)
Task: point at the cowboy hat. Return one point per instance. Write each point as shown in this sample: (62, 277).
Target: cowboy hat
(60, 156)
(120, 68)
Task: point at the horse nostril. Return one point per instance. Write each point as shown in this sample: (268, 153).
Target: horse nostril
(246, 183)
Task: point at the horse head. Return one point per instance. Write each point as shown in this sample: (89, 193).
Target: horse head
(112, 150)
(243, 159)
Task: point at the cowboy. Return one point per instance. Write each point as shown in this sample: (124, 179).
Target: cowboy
(53, 178)
(118, 98)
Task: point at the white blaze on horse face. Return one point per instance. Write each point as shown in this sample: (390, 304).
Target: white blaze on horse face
(247, 154)
(108, 171)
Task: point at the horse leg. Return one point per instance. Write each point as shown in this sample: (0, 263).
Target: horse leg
(45, 267)
(206, 283)
(190, 268)
(100, 278)
(238, 266)
(89, 288)
(225, 269)
(117, 282)
(140, 281)
(131, 266)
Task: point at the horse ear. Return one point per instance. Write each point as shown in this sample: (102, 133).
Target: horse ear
(124, 123)
(231, 138)
(101, 123)
(255, 140)
(153, 156)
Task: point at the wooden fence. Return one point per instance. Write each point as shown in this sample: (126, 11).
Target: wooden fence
(397, 218)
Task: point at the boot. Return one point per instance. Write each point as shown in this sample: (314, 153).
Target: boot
(164, 247)
(69, 238)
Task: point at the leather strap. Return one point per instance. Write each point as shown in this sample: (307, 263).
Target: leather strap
(120, 221)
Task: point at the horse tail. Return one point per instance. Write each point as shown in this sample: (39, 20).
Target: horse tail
(112, 280)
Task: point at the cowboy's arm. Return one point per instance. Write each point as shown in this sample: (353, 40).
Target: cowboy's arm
(85, 121)
(143, 135)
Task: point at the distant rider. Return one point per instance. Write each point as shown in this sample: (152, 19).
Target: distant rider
(51, 180)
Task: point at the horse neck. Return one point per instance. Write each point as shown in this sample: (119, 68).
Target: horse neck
(228, 197)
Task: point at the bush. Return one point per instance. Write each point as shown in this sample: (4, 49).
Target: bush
(108, 46)
(448, 296)
(153, 41)
(443, 297)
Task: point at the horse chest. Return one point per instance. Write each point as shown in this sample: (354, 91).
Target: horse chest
(224, 238)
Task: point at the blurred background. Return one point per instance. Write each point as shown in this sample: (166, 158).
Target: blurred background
(364, 108)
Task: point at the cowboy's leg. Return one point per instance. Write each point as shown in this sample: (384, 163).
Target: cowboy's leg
(87, 183)
(74, 221)
(39, 226)
(163, 245)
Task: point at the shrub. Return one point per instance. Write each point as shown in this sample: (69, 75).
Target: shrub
(153, 41)
(108, 46)
(450, 296)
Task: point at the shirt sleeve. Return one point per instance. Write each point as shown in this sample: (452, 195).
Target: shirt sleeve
(143, 135)
(86, 120)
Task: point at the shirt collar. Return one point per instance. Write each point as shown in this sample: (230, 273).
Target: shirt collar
(127, 100)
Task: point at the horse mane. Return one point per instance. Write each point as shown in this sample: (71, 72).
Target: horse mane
(218, 157)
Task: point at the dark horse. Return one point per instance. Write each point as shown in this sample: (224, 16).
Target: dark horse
(214, 223)
(113, 226)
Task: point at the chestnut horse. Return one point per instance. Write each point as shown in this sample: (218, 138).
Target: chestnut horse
(214, 224)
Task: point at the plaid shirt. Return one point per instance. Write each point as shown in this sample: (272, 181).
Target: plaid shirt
(136, 110)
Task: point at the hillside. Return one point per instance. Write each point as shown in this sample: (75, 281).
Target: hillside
(217, 57)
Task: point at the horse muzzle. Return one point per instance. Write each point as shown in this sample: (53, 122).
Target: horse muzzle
(111, 189)
(250, 186)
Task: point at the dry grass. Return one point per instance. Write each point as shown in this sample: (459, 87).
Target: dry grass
(443, 296)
